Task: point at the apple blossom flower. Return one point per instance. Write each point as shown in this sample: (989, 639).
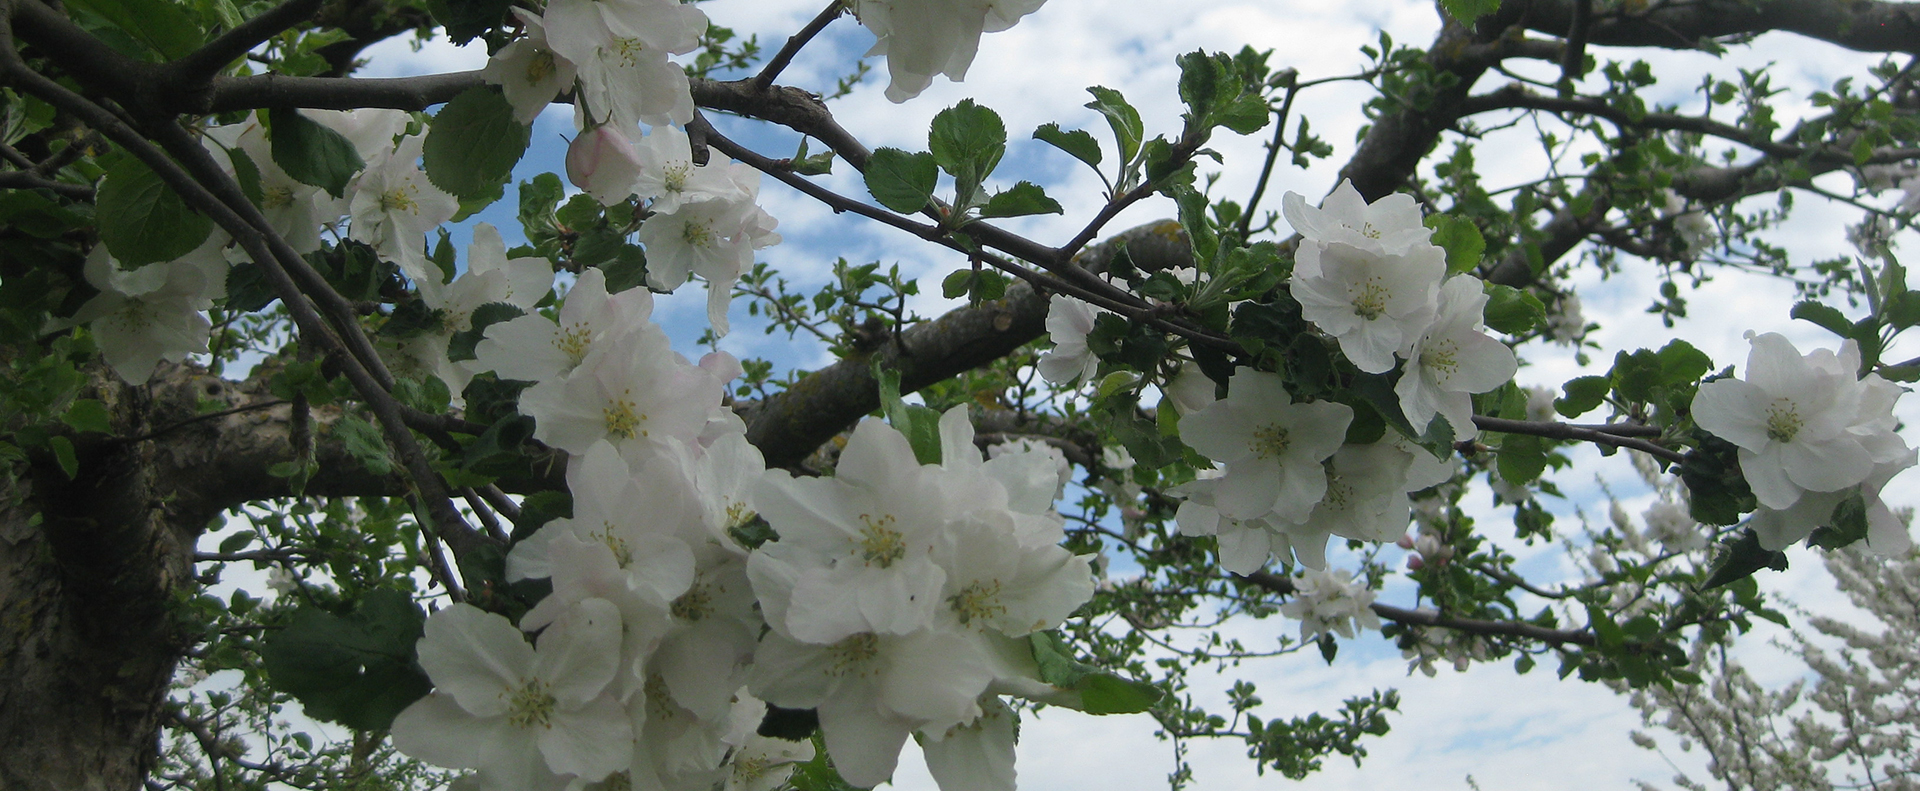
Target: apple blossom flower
(764, 763)
(1376, 304)
(534, 348)
(637, 394)
(528, 71)
(976, 756)
(1799, 421)
(394, 206)
(669, 178)
(1454, 359)
(1271, 446)
(153, 313)
(1366, 496)
(1245, 545)
(517, 712)
(620, 48)
(712, 238)
(1330, 602)
(1069, 361)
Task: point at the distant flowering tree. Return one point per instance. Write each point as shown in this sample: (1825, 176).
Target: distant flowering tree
(516, 541)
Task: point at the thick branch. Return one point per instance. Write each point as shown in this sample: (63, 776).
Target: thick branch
(1862, 25)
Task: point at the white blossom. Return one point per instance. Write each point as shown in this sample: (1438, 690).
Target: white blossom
(528, 71)
(1389, 225)
(1271, 446)
(922, 38)
(1376, 304)
(1069, 361)
(1454, 359)
(1330, 601)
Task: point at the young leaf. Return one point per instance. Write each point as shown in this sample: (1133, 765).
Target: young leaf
(1077, 143)
(474, 143)
(902, 181)
(1826, 316)
(1513, 311)
(311, 153)
(142, 220)
(1023, 199)
(967, 140)
(1466, 11)
(1128, 131)
(1460, 238)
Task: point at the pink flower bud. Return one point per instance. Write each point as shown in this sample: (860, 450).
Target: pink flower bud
(604, 163)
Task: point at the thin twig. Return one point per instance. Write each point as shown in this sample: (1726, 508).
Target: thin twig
(796, 42)
(201, 64)
(1283, 585)
(1603, 435)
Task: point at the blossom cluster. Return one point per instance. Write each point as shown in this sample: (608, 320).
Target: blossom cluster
(892, 600)
(1811, 432)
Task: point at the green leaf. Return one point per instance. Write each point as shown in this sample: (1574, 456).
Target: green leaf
(473, 144)
(63, 455)
(956, 285)
(1522, 458)
(817, 165)
(248, 289)
(1740, 558)
(902, 181)
(363, 441)
(1078, 142)
(1583, 395)
(360, 670)
(1468, 10)
(468, 19)
(967, 141)
(1513, 311)
(162, 27)
(1021, 200)
(1847, 525)
(1826, 316)
(247, 174)
(1460, 238)
(88, 414)
(1128, 131)
(142, 220)
(1098, 692)
(311, 153)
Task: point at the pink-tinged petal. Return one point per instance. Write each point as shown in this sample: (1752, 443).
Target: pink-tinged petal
(475, 656)
(863, 742)
(591, 741)
(580, 652)
(977, 756)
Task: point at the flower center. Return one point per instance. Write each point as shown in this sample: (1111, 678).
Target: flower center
(980, 600)
(1269, 441)
(695, 604)
(622, 554)
(738, 514)
(675, 177)
(399, 199)
(1370, 298)
(276, 197)
(540, 68)
(698, 234)
(531, 705)
(628, 50)
(575, 341)
(880, 543)
(751, 768)
(622, 421)
(1784, 421)
(853, 654)
(1442, 357)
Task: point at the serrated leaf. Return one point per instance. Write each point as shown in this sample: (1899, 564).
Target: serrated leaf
(312, 154)
(967, 141)
(1513, 311)
(957, 284)
(248, 289)
(1022, 199)
(142, 220)
(902, 181)
(1460, 238)
(1522, 458)
(473, 144)
(1826, 316)
(1077, 142)
(1128, 131)
(359, 670)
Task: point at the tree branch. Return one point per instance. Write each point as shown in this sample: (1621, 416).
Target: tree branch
(1860, 25)
(1402, 615)
(796, 42)
(201, 64)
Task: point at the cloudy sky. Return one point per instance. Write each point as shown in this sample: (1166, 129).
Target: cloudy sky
(1487, 727)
